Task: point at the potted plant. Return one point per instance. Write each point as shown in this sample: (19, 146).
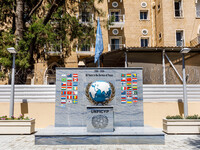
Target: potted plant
(15, 125)
(178, 125)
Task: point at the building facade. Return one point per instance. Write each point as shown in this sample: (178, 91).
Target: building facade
(134, 23)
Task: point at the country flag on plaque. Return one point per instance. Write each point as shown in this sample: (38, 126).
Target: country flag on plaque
(123, 79)
(128, 79)
(123, 101)
(75, 101)
(69, 97)
(75, 79)
(123, 88)
(75, 97)
(63, 79)
(63, 96)
(75, 88)
(123, 96)
(123, 83)
(69, 83)
(75, 92)
(129, 88)
(134, 79)
(63, 88)
(69, 101)
(75, 83)
(129, 92)
(134, 83)
(134, 75)
(63, 101)
(69, 92)
(69, 79)
(128, 75)
(63, 75)
(135, 101)
(63, 84)
(135, 97)
(134, 88)
(128, 83)
(63, 92)
(129, 96)
(123, 75)
(69, 75)
(69, 88)
(135, 93)
(75, 75)
(129, 101)
(123, 92)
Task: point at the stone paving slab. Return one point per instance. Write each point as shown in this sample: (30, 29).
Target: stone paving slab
(172, 142)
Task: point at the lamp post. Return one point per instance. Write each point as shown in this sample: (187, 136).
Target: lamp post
(12, 51)
(184, 51)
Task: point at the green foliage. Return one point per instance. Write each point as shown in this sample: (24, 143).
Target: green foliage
(174, 117)
(21, 117)
(193, 117)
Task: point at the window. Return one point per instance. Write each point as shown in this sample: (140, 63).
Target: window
(115, 44)
(143, 15)
(178, 8)
(85, 17)
(179, 38)
(198, 9)
(115, 16)
(144, 42)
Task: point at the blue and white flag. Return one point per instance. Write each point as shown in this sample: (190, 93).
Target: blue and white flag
(99, 43)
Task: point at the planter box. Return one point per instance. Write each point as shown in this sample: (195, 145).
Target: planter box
(181, 126)
(17, 126)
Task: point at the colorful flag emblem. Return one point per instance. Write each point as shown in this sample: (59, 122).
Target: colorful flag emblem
(134, 79)
(63, 101)
(75, 101)
(129, 96)
(129, 92)
(134, 75)
(128, 83)
(69, 88)
(69, 83)
(69, 97)
(63, 88)
(134, 83)
(123, 88)
(134, 87)
(69, 75)
(129, 88)
(128, 75)
(75, 92)
(75, 75)
(69, 79)
(75, 88)
(75, 79)
(63, 75)
(63, 97)
(63, 84)
(75, 83)
(63, 79)
(75, 97)
(123, 83)
(129, 101)
(123, 101)
(135, 92)
(69, 101)
(123, 79)
(123, 75)
(135, 97)
(123, 96)
(63, 92)
(123, 92)
(128, 79)
(69, 92)
(135, 101)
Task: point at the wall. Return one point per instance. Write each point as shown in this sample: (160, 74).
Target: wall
(159, 101)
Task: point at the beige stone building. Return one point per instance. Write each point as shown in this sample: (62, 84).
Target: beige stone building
(137, 24)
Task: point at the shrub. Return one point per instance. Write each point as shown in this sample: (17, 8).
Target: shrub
(21, 117)
(174, 117)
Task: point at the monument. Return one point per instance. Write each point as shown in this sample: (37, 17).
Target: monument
(99, 106)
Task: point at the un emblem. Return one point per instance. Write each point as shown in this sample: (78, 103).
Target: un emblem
(100, 121)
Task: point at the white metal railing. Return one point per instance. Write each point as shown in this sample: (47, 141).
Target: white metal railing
(112, 47)
(85, 48)
(85, 19)
(151, 93)
(117, 18)
(51, 49)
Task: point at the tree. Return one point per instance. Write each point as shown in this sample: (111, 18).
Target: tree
(31, 25)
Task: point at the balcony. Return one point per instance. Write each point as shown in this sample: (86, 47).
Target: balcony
(85, 51)
(195, 42)
(117, 21)
(85, 18)
(112, 47)
(52, 50)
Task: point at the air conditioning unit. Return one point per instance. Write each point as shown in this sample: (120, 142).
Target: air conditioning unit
(114, 4)
(144, 31)
(144, 4)
(115, 31)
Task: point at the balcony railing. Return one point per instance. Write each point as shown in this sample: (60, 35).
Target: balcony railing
(85, 19)
(195, 42)
(51, 50)
(112, 47)
(85, 50)
(116, 20)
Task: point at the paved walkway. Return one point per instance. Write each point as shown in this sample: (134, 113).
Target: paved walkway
(172, 142)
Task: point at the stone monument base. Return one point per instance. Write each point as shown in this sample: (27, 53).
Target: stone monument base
(79, 135)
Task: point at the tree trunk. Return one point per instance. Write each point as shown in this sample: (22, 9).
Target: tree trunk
(19, 20)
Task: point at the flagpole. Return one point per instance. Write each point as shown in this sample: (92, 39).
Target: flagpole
(99, 63)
